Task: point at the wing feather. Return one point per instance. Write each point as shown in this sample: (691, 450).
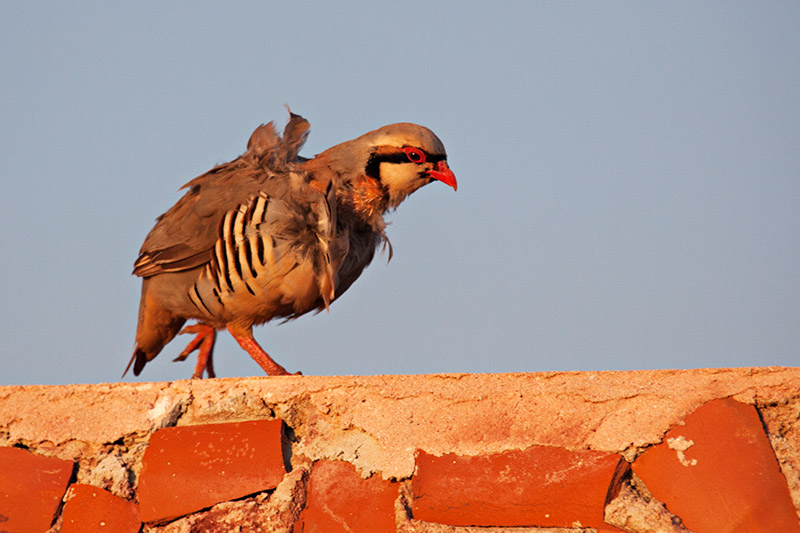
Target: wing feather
(184, 237)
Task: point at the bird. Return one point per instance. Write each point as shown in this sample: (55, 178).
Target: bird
(274, 235)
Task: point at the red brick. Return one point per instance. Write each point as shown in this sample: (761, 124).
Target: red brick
(340, 500)
(719, 473)
(93, 510)
(538, 486)
(189, 468)
(31, 488)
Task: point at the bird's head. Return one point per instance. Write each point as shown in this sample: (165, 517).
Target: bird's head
(398, 159)
(403, 157)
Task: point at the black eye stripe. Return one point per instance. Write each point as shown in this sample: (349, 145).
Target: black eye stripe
(375, 160)
(401, 157)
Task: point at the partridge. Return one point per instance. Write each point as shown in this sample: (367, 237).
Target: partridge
(274, 235)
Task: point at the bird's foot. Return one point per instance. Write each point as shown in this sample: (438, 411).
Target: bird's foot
(244, 336)
(204, 344)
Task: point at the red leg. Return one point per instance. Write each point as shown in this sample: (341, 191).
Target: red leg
(208, 364)
(193, 345)
(204, 344)
(244, 336)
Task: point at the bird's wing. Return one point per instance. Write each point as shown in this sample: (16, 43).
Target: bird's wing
(184, 237)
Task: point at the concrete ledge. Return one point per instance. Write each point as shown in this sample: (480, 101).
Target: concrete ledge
(379, 423)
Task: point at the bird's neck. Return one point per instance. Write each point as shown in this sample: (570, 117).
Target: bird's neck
(366, 198)
(360, 199)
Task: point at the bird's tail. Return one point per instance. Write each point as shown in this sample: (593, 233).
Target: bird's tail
(156, 328)
(138, 360)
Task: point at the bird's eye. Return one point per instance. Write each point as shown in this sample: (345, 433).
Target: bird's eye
(415, 155)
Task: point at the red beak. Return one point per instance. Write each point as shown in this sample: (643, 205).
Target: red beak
(443, 173)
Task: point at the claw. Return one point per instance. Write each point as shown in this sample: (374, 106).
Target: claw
(204, 344)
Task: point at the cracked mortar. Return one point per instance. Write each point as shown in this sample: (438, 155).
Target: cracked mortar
(680, 444)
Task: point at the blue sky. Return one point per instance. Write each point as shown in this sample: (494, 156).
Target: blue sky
(629, 178)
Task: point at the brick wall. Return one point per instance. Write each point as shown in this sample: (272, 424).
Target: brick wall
(701, 450)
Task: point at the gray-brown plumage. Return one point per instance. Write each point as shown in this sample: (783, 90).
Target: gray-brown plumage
(273, 235)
